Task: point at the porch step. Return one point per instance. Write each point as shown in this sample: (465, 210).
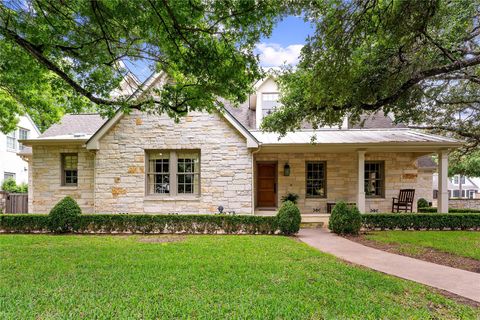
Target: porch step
(312, 225)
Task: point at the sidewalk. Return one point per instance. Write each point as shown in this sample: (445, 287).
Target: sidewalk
(460, 282)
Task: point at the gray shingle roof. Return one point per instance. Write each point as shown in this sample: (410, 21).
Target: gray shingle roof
(376, 121)
(243, 114)
(75, 123)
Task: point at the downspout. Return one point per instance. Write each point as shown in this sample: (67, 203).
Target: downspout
(253, 177)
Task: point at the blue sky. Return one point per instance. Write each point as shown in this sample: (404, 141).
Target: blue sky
(285, 43)
(283, 46)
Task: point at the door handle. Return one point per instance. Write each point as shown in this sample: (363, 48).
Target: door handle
(274, 188)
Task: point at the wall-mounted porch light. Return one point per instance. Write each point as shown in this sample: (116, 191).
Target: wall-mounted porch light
(286, 170)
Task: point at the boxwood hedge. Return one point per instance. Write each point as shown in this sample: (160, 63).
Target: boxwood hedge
(421, 221)
(120, 223)
(433, 210)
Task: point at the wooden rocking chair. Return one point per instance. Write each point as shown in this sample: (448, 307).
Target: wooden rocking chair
(404, 202)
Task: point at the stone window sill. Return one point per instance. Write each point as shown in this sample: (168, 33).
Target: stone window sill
(68, 188)
(171, 198)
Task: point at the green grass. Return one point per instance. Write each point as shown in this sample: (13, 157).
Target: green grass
(461, 243)
(207, 277)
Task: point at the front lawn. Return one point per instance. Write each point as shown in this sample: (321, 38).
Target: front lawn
(210, 277)
(460, 243)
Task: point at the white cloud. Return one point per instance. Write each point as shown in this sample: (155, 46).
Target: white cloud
(274, 55)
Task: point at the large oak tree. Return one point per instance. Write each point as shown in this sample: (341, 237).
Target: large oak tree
(417, 60)
(58, 56)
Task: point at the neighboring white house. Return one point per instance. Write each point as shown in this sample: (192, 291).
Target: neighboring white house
(458, 187)
(11, 164)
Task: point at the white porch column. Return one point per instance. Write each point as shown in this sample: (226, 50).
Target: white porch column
(442, 201)
(361, 181)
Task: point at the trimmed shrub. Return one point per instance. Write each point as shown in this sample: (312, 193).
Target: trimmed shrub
(421, 221)
(345, 219)
(289, 218)
(451, 210)
(119, 223)
(422, 203)
(64, 215)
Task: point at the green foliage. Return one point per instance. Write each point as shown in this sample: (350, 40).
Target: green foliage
(465, 164)
(108, 223)
(24, 223)
(10, 185)
(59, 56)
(422, 203)
(64, 215)
(385, 55)
(451, 210)
(419, 221)
(289, 218)
(345, 219)
(293, 197)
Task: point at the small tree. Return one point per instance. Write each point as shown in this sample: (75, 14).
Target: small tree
(345, 219)
(289, 218)
(9, 185)
(63, 215)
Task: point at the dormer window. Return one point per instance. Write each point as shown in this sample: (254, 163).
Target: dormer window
(269, 102)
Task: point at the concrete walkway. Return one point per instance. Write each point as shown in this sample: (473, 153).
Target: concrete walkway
(460, 282)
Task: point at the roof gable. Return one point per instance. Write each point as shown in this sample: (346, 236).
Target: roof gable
(94, 142)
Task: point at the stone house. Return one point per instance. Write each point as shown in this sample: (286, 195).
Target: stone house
(143, 163)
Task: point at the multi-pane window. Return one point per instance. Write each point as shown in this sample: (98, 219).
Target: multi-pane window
(8, 175)
(187, 172)
(69, 169)
(316, 179)
(22, 135)
(159, 172)
(269, 102)
(173, 172)
(12, 140)
(456, 179)
(374, 178)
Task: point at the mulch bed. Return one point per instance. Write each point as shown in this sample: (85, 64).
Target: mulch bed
(426, 254)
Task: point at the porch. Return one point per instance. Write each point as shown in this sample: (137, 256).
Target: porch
(368, 177)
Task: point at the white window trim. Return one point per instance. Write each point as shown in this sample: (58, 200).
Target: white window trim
(15, 141)
(20, 145)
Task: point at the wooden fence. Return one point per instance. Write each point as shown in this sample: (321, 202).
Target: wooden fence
(16, 203)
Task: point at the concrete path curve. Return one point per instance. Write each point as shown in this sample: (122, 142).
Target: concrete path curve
(460, 282)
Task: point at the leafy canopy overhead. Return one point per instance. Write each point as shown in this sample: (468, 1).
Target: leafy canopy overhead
(58, 56)
(418, 60)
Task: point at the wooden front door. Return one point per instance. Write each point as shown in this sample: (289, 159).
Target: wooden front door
(267, 185)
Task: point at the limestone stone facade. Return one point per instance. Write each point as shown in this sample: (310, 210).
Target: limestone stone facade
(225, 165)
(46, 189)
(113, 180)
(341, 170)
